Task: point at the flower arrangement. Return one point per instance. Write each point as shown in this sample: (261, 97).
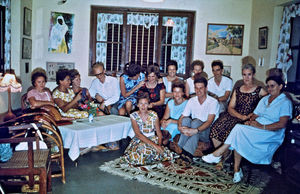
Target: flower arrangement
(90, 107)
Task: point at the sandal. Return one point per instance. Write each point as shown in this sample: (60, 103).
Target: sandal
(219, 166)
(175, 147)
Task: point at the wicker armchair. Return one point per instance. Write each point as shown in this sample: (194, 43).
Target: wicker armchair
(27, 163)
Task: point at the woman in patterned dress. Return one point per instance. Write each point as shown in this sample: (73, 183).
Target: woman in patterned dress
(155, 89)
(146, 147)
(242, 103)
(130, 83)
(64, 97)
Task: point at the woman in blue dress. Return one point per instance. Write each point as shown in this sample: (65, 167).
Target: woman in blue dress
(260, 137)
(130, 83)
(175, 107)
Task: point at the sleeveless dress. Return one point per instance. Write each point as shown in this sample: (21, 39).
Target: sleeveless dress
(175, 113)
(68, 97)
(129, 85)
(245, 104)
(154, 95)
(141, 153)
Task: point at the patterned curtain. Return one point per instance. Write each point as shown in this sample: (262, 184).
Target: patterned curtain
(284, 53)
(179, 36)
(144, 19)
(7, 44)
(102, 20)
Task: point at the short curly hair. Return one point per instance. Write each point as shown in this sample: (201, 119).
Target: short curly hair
(61, 74)
(36, 75)
(153, 69)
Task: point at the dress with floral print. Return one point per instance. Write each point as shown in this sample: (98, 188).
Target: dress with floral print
(68, 97)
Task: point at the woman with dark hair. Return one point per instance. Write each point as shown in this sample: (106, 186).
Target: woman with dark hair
(242, 103)
(155, 90)
(146, 147)
(39, 96)
(65, 98)
(75, 83)
(171, 69)
(174, 109)
(258, 139)
(130, 83)
(197, 68)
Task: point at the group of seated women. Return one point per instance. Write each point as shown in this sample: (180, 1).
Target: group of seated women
(253, 124)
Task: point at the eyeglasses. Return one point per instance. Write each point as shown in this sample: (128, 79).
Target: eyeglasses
(99, 74)
(271, 86)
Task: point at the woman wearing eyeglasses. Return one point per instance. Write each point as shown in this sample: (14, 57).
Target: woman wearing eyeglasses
(241, 106)
(258, 139)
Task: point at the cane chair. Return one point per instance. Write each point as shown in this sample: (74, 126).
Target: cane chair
(54, 142)
(29, 163)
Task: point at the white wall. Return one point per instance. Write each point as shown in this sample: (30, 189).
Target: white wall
(265, 13)
(207, 11)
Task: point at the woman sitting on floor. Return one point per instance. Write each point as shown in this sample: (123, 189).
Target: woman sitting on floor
(175, 107)
(39, 96)
(242, 103)
(146, 147)
(130, 83)
(64, 97)
(260, 137)
(155, 90)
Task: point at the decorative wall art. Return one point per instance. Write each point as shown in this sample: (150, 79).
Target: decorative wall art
(27, 22)
(53, 67)
(224, 39)
(61, 32)
(263, 37)
(26, 48)
(227, 71)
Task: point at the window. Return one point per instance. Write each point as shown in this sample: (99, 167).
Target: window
(120, 35)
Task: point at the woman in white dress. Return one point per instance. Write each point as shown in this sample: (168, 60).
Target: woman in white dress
(260, 137)
(197, 68)
(171, 77)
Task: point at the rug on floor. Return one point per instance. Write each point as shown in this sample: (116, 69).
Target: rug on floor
(199, 178)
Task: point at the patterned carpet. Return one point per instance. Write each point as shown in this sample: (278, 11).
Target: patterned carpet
(199, 178)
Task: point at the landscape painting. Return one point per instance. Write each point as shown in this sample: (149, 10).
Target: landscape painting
(224, 39)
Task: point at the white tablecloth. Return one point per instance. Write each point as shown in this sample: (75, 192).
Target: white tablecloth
(104, 129)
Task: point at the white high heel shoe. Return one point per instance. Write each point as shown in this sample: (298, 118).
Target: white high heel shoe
(238, 176)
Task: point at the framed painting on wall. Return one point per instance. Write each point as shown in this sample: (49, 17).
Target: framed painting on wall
(227, 71)
(27, 22)
(26, 48)
(53, 67)
(61, 33)
(224, 39)
(263, 37)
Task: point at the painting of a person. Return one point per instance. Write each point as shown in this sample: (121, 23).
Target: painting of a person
(57, 40)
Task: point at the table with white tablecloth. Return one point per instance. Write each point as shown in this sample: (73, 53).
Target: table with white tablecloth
(103, 129)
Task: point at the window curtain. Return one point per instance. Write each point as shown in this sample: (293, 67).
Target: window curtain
(102, 20)
(284, 53)
(144, 19)
(179, 36)
(7, 44)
